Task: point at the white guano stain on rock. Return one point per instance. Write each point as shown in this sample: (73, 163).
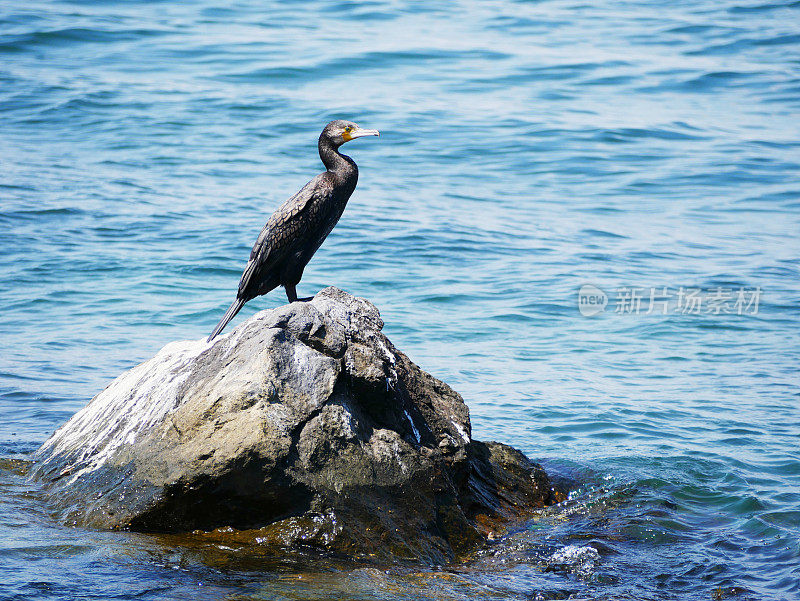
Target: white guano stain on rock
(390, 358)
(413, 427)
(133, 403)
(461, 431)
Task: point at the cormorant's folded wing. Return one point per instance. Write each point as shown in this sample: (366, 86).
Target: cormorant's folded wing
(280, 236)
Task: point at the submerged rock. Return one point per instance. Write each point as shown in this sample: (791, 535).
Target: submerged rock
(304, 426)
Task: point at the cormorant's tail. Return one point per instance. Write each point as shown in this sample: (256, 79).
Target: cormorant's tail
(229, 314)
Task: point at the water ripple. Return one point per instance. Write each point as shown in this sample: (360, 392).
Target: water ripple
(527, 149)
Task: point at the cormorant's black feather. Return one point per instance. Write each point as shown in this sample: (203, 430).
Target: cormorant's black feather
(229, 314)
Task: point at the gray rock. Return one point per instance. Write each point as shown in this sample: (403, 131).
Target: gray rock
(303, 427)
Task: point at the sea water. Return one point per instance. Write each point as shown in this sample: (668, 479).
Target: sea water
(642, 154)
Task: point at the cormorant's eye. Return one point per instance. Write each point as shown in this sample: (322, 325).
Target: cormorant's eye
(348, 129)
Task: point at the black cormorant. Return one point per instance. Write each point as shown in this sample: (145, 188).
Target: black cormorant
(297, 229)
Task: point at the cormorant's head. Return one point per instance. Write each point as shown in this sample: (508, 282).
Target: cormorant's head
(340, 131)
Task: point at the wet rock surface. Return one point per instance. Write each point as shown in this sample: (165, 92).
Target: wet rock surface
(303, 427)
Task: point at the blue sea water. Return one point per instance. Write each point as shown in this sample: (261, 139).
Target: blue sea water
(528, 149)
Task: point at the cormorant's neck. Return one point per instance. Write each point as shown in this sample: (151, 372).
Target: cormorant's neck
(336, 162)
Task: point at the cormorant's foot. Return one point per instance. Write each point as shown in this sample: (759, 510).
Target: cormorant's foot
(291, 295)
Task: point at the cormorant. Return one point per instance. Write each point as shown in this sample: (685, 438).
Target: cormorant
(297, 229)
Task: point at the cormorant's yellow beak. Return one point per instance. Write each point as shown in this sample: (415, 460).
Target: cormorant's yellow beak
(360, 133)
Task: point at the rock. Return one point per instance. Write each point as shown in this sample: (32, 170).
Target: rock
(304, 426)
